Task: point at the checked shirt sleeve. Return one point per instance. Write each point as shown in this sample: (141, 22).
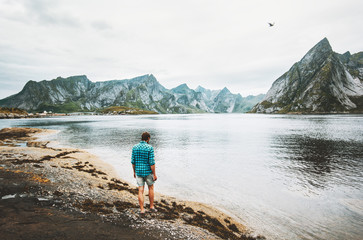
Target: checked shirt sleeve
(133, 157)
(151, 157)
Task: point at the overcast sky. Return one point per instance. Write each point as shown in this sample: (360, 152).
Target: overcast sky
(212, 43)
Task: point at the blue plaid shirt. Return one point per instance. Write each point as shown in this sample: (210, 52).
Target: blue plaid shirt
(142, 157)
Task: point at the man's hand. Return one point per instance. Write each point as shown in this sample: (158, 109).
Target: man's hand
(155, 177)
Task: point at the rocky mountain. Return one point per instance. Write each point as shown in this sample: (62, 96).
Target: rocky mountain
(208, 95)
(188, 97)
(223, 101)
(78, 93)
(321, 82)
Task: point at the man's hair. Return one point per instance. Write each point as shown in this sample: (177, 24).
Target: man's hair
(145, 136)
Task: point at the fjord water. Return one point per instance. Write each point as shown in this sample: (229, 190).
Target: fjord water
(285, 176)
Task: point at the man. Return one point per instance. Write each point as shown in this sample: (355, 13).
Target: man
(143, 163)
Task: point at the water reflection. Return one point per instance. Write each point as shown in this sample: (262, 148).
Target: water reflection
(53, 122)
(318, 162)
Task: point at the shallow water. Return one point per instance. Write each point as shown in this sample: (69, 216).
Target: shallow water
(285, 176)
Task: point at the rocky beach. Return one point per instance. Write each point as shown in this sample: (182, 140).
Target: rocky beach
(61, 193)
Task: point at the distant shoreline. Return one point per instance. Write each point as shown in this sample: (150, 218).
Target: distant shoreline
(17, 116)
(14, 116)
(16, 113)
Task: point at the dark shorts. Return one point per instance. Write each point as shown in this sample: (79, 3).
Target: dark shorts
(148, 179)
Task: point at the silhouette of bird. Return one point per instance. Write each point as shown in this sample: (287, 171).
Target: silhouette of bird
(271, 24)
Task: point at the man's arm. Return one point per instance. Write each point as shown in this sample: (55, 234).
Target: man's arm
(133, 167)
(153, 170)
(152, 163)
(133, 162)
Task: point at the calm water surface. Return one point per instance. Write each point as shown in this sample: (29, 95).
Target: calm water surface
(286, 177)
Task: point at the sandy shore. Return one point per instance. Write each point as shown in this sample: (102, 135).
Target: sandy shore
(53, 193)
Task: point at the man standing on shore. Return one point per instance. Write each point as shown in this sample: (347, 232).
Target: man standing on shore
(143, 164)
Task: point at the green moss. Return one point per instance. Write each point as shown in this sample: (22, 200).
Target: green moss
(67, 107)
(266, 104)
(253, 110)
(125, 110)
(285, 110)
(353, 72)
(12, 110)
(357, 57)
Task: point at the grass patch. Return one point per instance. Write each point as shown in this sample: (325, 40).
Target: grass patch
(116, 110)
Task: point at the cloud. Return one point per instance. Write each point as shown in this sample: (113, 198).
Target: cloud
(209, 43)
(42, 12)
(101, 25)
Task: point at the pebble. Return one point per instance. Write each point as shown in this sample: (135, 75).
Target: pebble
(42, 199)
(8, 197)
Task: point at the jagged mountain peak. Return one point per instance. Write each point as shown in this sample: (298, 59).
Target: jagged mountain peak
(146, 80)
(78, 79)
(224, 91)
(75, 77)
(143, 78)
(323, 81)
(207, 91)
(71, 79)
(184, 85)
(182, 88)
(324, 43)
(200, 89)
(344, 58)
(347, 54)
(318, 53)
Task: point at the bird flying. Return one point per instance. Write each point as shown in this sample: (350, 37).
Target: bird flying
(271, 24)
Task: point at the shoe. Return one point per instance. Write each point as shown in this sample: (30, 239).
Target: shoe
(153, 210)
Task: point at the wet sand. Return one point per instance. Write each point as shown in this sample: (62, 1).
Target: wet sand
(53, 193)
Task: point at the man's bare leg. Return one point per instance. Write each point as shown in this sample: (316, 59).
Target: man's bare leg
(141, 199)
(151, 196)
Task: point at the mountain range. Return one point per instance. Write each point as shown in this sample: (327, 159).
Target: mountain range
(323, 81)
(78, 93)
